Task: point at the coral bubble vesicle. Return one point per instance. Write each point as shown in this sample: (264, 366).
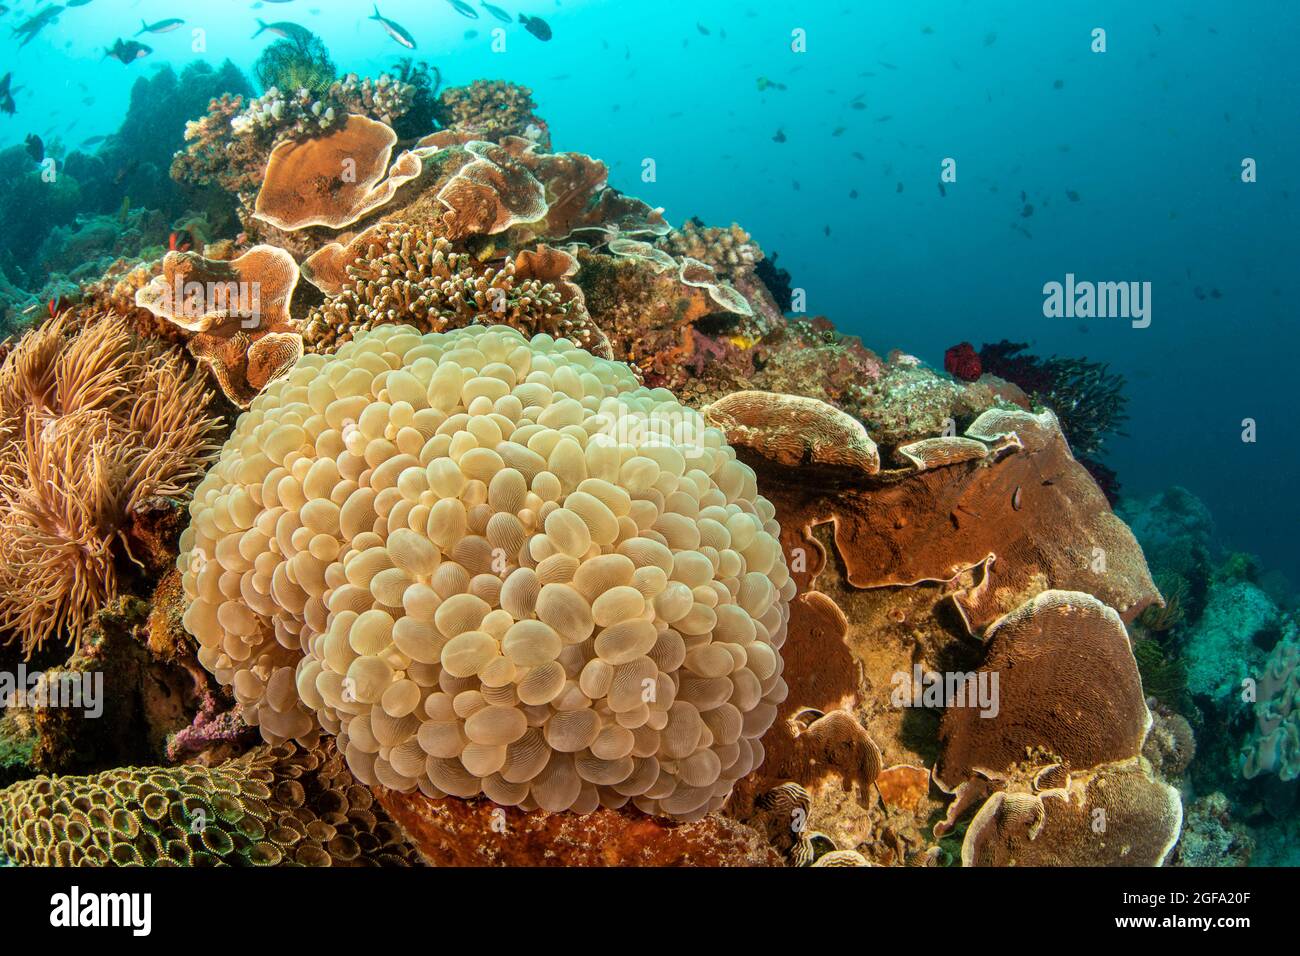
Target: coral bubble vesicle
(492, 566)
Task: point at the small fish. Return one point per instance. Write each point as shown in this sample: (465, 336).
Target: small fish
(93, 141)
(884, 119)
(1027, 211)
(1015, 499)
(827, 231)
(284, 28)
(942, 192)
(162, 26)
(853, 194)
(704, 31)
(77, 3)
(1071, 195)
(7, 104)
(394, 29)
(779, 137)
(899, 189)
(35, 147)
(990, 39)
(128, 51)
(839, 131)
(36, 24)
(536, 26)
(464, 9)
(497, 12)
(1059, 84)
(179, 241)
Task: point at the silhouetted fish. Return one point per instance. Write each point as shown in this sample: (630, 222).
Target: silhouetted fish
(394, 29)
(536, 26)
(779, 137)
(284, 28)
(36, 24)
(162, 26)
(35, 147)
(7, 104)
(464, 9)
(128, 51)
(497, 12)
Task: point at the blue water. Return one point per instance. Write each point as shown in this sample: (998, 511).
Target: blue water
(1150, 134)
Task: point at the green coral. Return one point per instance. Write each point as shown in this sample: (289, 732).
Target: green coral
(273, 806)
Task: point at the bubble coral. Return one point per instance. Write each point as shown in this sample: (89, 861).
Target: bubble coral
(92, 423)
(273, 806)
(493, 566)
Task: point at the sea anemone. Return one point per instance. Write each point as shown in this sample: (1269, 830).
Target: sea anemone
(91, 424)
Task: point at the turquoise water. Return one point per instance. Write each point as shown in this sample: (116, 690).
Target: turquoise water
(1149, 136)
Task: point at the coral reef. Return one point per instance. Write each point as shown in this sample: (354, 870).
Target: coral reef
(491, 110)
(274, 806)
(490, 596)
(1211, 837)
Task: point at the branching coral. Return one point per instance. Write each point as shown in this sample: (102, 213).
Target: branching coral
(273, 806)
(409, 274)
(491, 110)
(92, 424)
(730, 252)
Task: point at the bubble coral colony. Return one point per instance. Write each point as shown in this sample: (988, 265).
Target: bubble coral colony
(527, 502)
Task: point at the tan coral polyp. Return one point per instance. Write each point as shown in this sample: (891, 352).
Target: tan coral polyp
(486, 564)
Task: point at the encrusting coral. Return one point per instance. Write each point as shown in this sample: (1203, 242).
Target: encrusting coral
(493, 565)
(93, 421)
(273, 806)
